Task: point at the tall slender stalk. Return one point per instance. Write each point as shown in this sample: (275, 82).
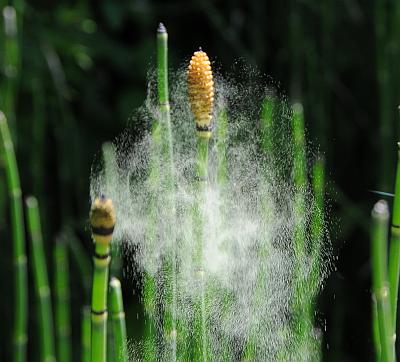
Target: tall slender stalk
(167, 157)
(11, 66)
(18, 235)
(62, 300)
(380, 285)
(117, 315)
(394, 253)
(201, 98)
(42, 288)
(102, 221)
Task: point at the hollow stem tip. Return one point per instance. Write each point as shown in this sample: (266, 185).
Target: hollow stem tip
(102, 219)
(381, 210)
(161, 28)
(201, 92)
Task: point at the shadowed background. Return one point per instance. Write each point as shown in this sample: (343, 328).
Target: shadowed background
(81, 72)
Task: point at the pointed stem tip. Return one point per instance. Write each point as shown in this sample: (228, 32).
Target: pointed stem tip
(161, 28)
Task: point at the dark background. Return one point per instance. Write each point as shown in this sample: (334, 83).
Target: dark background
(83, 71)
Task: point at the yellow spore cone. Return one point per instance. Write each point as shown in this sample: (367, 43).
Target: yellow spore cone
(102, 219)
(201, 92)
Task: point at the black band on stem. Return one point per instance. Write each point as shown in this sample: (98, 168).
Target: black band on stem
(203, 128)
(99, 312)
(101, 256)
(102, 231)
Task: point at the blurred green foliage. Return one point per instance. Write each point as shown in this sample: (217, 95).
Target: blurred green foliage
(80, 70)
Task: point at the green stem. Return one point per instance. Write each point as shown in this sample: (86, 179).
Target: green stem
(41, 282)
(394, 253)
(99, 302)
(167, 159)
(86, 335)
(19, 255)
(11, 66)
(380, 286)
(62, 300)
(117, 315)
(200, 333)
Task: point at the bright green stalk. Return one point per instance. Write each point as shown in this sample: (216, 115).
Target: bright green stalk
(10, 66)
(19, 255)
(117, 315)
(62, 300)
(86, 335)
(42, 289)
(394, 254)
(102, 220)
(380, 285)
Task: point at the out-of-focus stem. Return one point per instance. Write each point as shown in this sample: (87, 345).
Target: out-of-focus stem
(62, 300)
(18, 235)
(41, 282)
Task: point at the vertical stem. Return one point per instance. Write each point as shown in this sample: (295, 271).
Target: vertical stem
(117, 315)
(41, 282)
(86, 335)
(102, 220)
(62, 300)
(380, 286)
(394, 254)
(201, 353)
(167, 157)
(11, 66)
(19, 255)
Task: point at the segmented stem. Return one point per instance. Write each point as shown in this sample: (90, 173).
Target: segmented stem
(380, 285)
(117, 315)
(102, 220)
